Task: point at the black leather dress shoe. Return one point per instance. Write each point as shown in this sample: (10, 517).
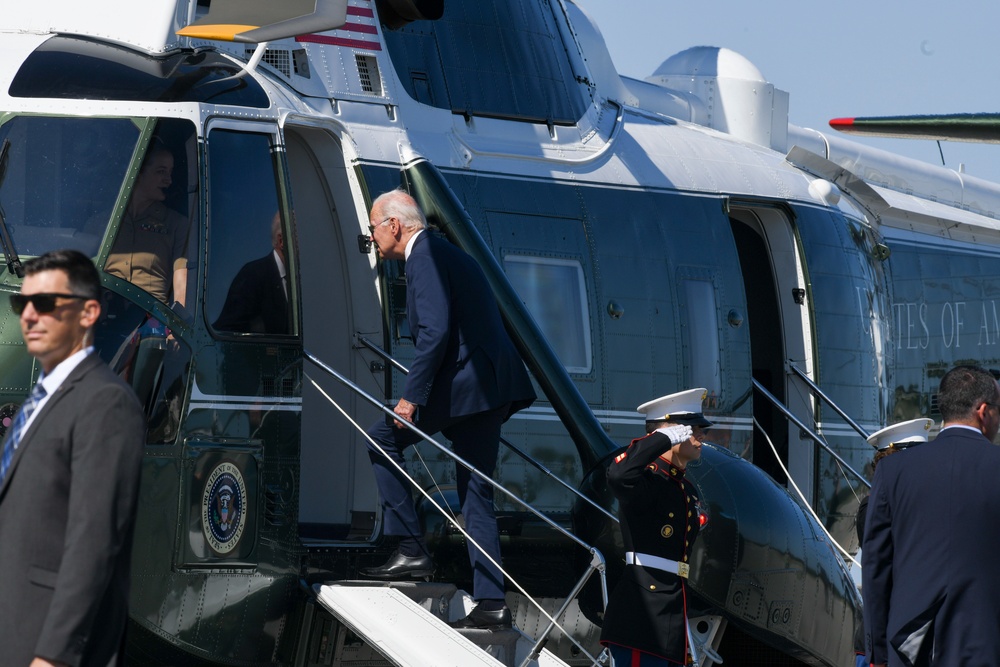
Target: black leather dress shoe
(484, 620)
(401, 567)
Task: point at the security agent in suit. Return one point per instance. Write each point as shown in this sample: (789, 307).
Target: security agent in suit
(646, 619)
(466, 379)
(930, 584)
(257, 301)
(69, 492)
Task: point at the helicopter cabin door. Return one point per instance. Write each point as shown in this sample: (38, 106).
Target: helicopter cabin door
(339, 298)
(779, 330)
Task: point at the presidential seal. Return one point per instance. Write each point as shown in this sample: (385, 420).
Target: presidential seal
(223, 508)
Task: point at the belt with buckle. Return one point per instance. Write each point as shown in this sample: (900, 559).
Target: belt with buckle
(658, 563)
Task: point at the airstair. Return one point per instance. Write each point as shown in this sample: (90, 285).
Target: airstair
(407, 625)
(808, 431)
(811, 433)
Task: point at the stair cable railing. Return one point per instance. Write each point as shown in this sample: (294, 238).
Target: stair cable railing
(801, 374)
(597, 563)
(509, 445)
(694, 648)
(817, 438)
(802, 496)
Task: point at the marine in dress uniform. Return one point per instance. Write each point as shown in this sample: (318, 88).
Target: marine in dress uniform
(646, 619)
(149, 250)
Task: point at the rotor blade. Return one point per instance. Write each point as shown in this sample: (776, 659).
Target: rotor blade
(974, 127)
(254, 21)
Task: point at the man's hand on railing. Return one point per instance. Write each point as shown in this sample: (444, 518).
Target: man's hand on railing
(406, 411)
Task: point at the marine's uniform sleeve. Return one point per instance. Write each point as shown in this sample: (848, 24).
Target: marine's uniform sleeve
(626, 472)
(105, 465)
(876, 568)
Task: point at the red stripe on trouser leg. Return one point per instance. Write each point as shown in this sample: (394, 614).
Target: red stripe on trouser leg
(687, 649)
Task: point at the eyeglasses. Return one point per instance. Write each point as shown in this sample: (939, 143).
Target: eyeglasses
(44, 302)
(371, 228)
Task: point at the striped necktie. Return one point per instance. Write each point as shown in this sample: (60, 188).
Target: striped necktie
(17, 428)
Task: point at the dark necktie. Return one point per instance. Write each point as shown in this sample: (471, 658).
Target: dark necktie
(17, 428)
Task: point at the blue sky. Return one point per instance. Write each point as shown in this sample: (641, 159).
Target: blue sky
(849, 58)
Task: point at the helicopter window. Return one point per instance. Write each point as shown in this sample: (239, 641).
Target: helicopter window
(66, 67)
(499, 58)
(701, 328)
(554, 292)
(150, 248)
(60, 173)
(153, 362)
(249, 288)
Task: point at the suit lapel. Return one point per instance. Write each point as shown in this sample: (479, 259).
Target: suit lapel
(60, 393)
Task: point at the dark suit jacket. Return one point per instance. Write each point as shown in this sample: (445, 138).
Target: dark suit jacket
(465, 362)
(930, 552)
(256, 300)
(67, 510)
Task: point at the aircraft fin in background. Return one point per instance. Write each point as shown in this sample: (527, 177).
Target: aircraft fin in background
(255, 21)
(972, 127)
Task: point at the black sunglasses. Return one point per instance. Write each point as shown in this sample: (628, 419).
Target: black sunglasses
(44, 302)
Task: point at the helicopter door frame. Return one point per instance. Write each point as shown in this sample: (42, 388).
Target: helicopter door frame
(774, 226)
(340, 298)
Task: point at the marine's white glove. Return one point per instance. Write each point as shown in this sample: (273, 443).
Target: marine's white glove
(677, 433)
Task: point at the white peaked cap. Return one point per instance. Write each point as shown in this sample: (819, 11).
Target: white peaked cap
(684, 407)
(914, 430)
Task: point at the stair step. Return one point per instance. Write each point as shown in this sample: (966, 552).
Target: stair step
(407, 623)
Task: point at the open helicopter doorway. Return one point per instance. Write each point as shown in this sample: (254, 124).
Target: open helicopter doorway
(778, 316)
(335, 490)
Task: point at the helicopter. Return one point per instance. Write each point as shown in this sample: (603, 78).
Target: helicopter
(640, 236)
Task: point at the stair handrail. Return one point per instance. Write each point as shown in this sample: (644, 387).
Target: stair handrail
(808, 431)
(801, 374)
(371, 345)
(598, 563)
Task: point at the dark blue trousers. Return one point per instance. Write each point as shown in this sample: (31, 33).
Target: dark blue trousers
(475, 438)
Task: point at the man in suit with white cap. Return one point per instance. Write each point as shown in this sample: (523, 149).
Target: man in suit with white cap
(646, 620)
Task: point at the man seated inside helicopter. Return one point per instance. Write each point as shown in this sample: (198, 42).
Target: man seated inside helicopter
(258, 298)
(149, 249)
